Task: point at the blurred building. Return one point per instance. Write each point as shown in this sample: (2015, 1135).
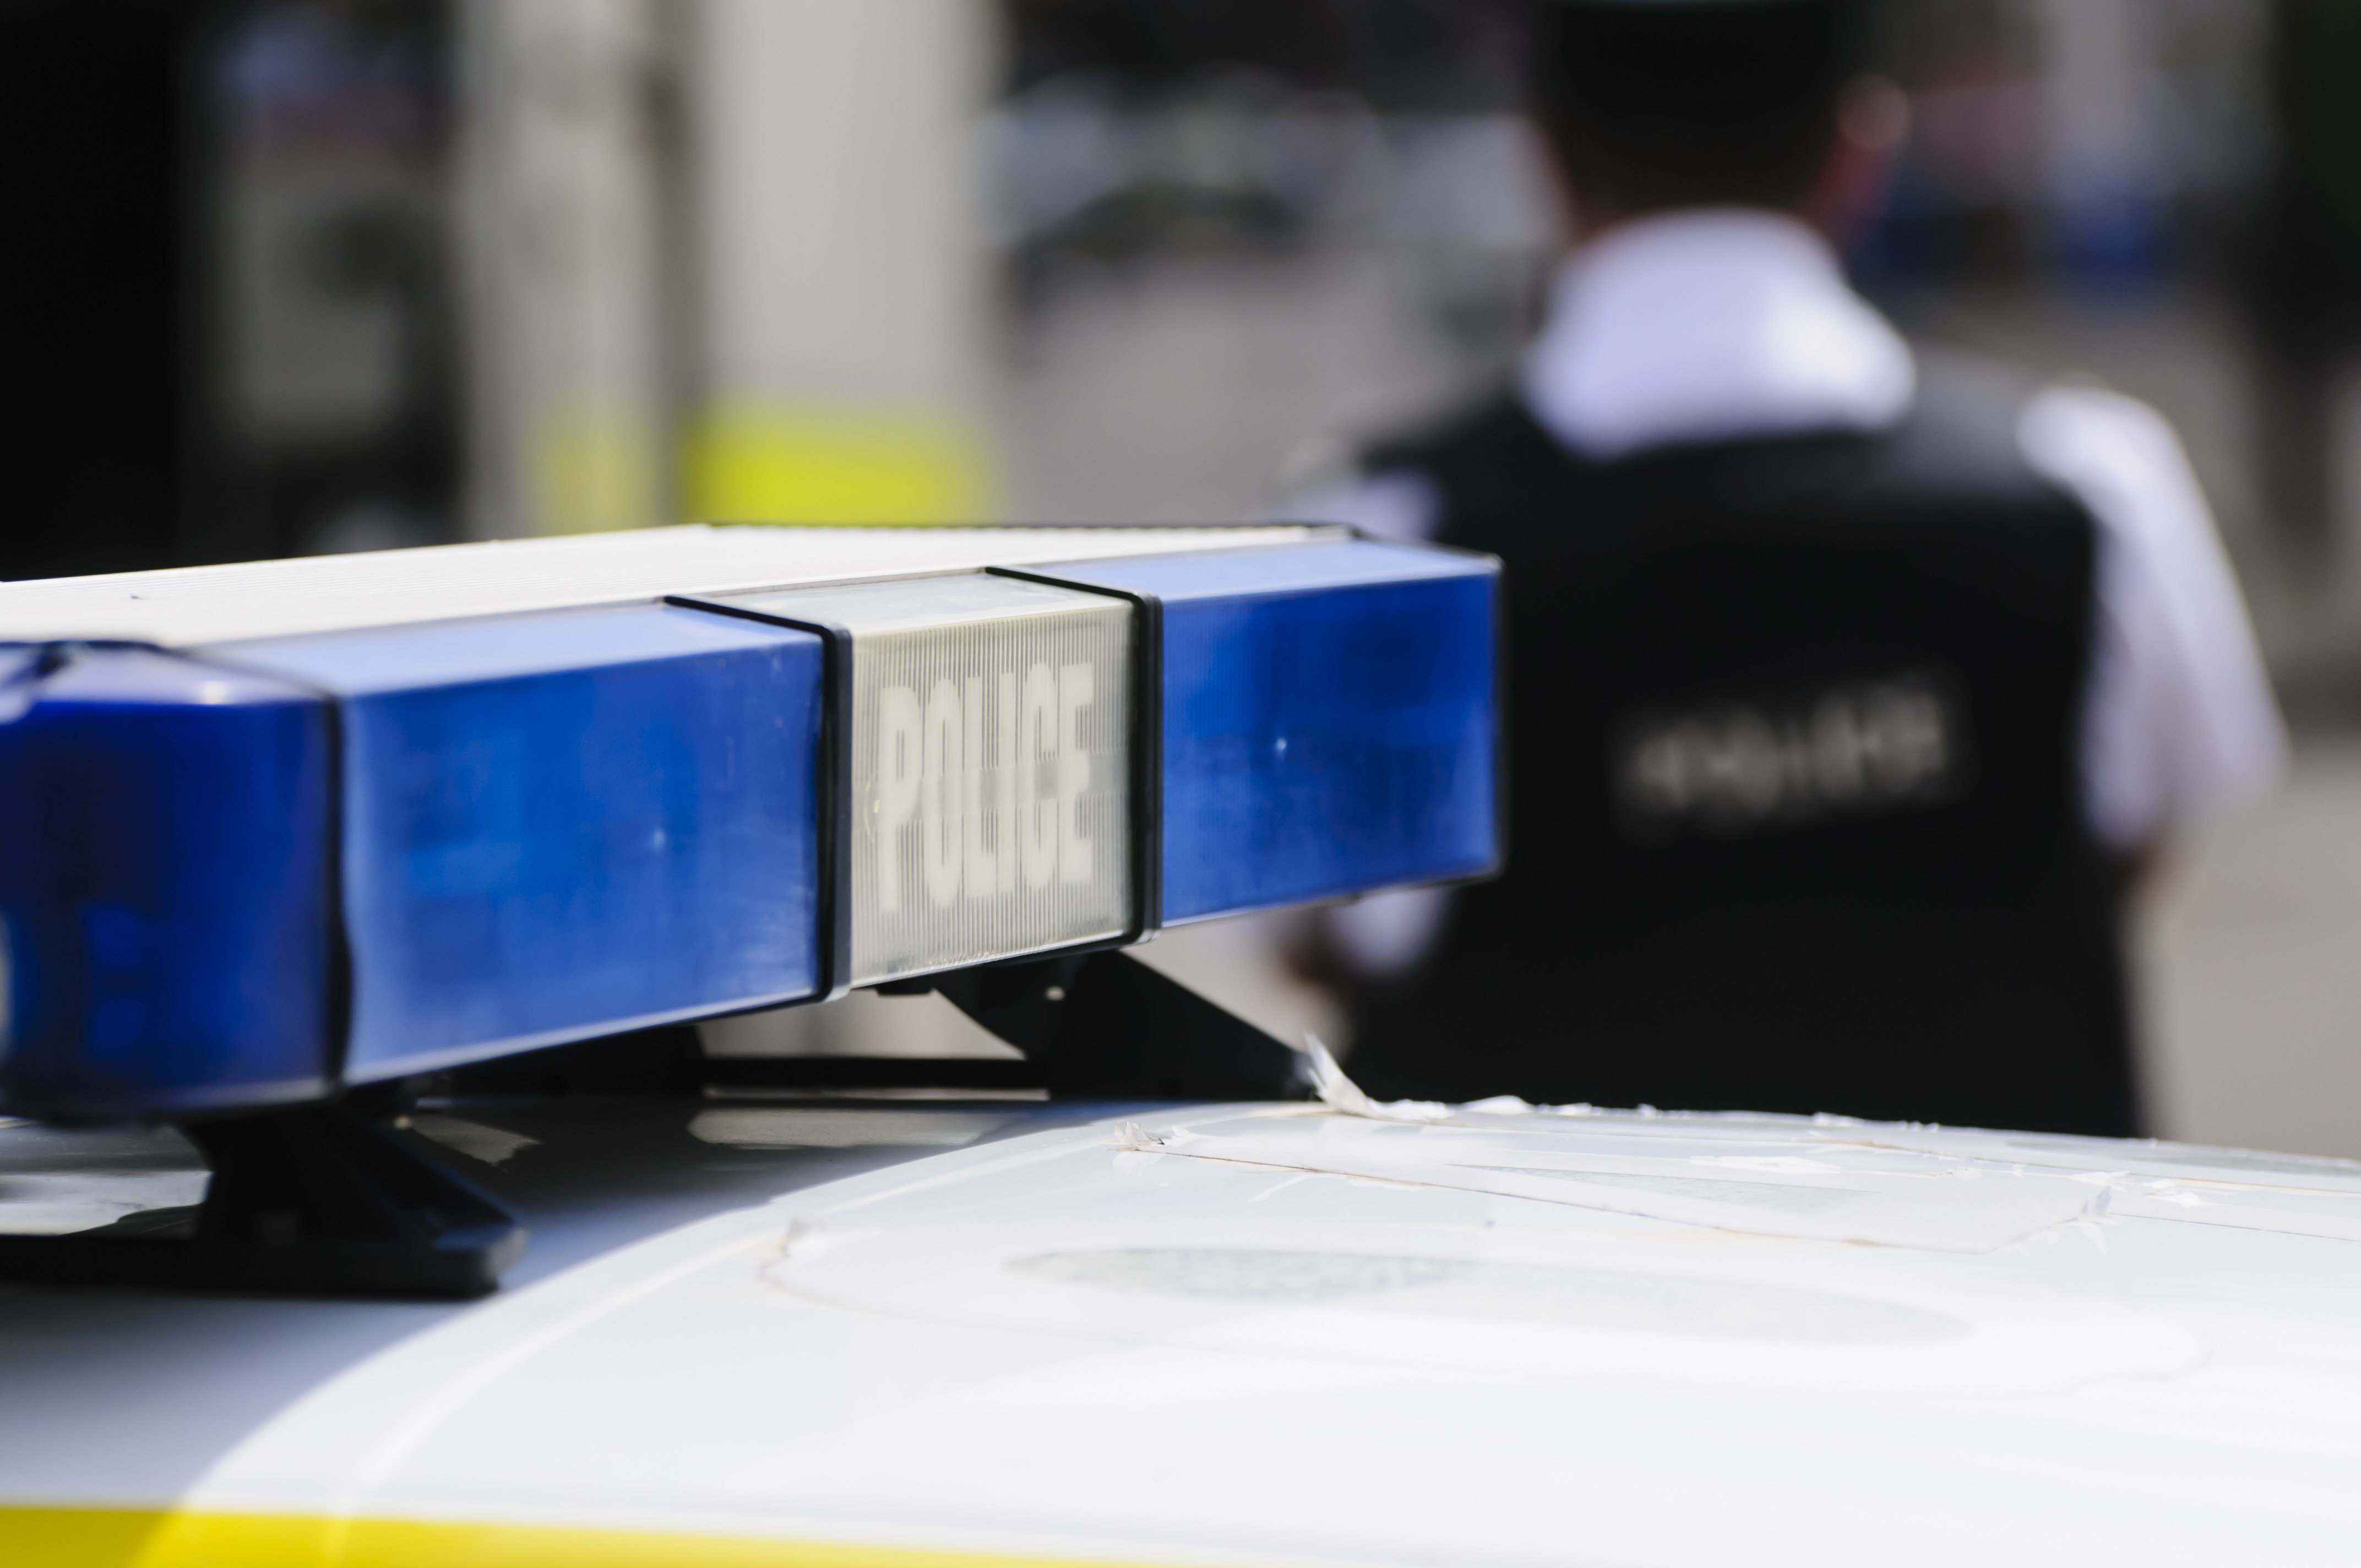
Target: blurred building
(226, 301)
(2087, 186)
(300, 275)
(319, 274)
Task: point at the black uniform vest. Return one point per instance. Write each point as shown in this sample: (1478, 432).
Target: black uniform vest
(1796, 821)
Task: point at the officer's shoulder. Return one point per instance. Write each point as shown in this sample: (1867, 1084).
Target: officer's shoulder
(1964, 431)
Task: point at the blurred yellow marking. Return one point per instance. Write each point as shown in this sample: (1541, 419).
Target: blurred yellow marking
(761, 461)
(109, 1538)
(593, 469)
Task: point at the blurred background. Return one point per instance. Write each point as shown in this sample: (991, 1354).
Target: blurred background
(289, 276)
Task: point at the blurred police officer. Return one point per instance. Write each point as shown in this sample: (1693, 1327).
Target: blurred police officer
(1848, 685)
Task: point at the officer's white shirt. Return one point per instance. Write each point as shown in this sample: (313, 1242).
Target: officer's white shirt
(1719, 324)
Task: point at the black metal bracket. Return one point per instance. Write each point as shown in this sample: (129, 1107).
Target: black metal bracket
(1103, 1025)
(315, 1201)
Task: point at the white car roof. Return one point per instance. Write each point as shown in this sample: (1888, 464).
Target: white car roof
(757, 1332)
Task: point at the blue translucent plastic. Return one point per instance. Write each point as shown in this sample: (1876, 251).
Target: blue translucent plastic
(1329, 719)
(229, 876)
(571, 823)
(164, 860)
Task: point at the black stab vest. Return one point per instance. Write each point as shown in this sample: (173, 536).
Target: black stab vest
(1795, 810)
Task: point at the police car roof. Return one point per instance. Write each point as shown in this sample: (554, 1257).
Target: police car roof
(757, 1331)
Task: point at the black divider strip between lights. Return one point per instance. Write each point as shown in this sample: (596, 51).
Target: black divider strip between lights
(1148, 716)
(1146, 747)
(831, 788)
(834, 794)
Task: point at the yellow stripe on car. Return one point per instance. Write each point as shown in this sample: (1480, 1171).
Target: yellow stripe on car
(127, 1538)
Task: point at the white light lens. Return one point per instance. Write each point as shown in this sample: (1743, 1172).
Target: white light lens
(991, 764)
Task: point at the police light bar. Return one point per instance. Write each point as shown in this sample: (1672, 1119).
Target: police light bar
(276, 828)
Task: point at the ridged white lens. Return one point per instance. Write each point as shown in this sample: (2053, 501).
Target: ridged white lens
(991, 767)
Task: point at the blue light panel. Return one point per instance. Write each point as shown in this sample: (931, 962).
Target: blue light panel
(1330, 723)
(164, 885)
(240, 873)
(567, 824)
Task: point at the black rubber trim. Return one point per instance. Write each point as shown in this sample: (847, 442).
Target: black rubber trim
(1147, 745)
(836, 796)
(831, 788)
